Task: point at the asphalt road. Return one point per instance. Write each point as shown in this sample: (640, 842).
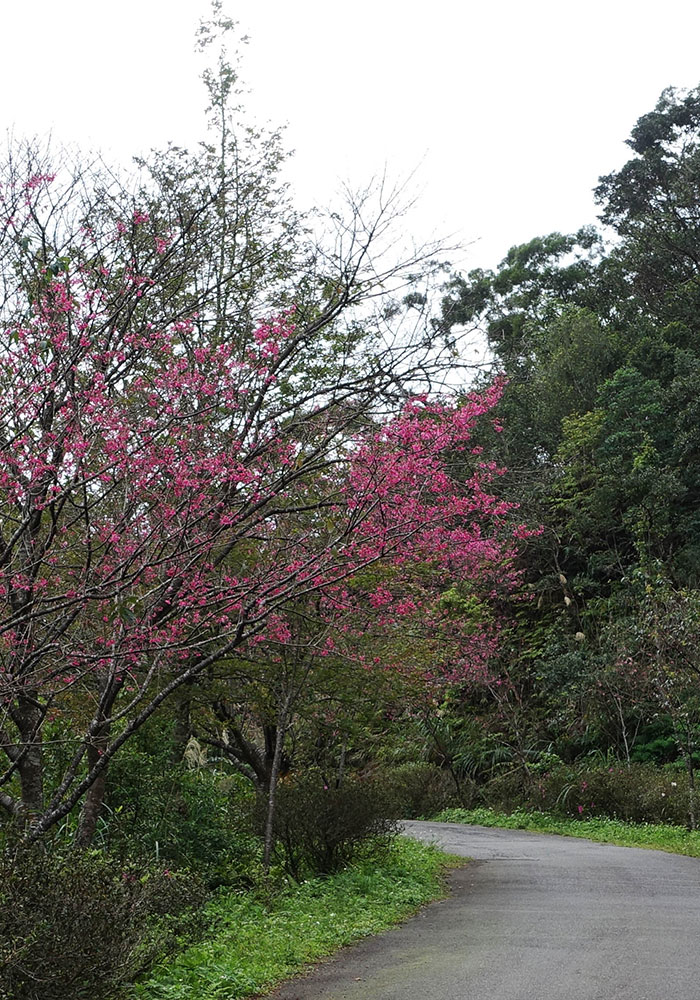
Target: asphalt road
(534, 917)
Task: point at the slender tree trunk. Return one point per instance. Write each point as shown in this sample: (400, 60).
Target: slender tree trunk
(274, 776)
(31, 764)
(459, 788)
(623, 727)
(93, 802)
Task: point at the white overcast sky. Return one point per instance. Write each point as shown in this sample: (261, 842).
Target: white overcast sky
(509, 110)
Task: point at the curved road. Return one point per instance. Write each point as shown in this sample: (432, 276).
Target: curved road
(535, 917)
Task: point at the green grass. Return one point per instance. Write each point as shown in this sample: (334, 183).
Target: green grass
(675, 839)
(257, 944)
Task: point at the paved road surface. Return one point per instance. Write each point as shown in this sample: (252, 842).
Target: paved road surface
(534, 917)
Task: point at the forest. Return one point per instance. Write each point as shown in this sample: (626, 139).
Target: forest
(279, 569)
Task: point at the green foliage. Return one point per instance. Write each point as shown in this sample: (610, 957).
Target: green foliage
(258, 942)
(321, 828)
(418, 789)
(529, 285)
(655, 743)
(78, 926)
(601, 440)
(638, 793)
(192, 817)
(653, 201)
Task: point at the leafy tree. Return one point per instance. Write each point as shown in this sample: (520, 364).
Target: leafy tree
(599, 345)
(652, 202)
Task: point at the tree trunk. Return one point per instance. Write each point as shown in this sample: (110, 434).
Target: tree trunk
(30, 766)
(274, 776)
(623, 728)
(93, 802)
(91, 809)
(458, 786)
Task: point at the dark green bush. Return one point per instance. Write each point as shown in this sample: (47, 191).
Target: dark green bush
(321, 829)
(638, 793)
(424, 789)
(510, 790)
(78, 926)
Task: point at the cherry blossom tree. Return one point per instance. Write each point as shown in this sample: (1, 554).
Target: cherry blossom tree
(166, 490)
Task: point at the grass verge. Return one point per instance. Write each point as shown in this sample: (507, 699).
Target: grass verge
(674, 839)
(256, 944)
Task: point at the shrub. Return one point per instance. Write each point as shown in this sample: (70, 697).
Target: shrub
(423, 789)
(321, 829)
(78, 926)
(638, 793)
(511, 789)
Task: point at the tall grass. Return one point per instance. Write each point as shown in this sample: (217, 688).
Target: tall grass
(257, 942)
